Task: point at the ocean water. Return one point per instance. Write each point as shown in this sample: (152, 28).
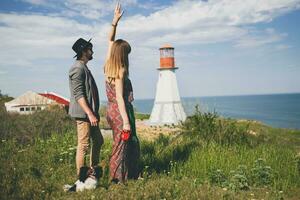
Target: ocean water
(276, 110)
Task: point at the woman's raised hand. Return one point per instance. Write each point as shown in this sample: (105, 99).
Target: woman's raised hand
(111, 38)
(118, 13)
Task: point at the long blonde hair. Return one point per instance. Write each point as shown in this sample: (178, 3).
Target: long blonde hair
(118, 60)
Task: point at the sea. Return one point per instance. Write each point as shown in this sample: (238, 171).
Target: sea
(276, 110)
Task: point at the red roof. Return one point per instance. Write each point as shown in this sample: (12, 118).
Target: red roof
(56, 97)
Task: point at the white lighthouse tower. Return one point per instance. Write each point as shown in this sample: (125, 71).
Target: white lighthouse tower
(167, 107)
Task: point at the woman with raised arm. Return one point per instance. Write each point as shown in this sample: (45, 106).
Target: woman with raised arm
(120, 114)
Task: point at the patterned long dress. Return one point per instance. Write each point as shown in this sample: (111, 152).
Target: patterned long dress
(125, 155)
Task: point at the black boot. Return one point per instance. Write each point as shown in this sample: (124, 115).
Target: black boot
(97, 172)
(83, 173)
(79, 184)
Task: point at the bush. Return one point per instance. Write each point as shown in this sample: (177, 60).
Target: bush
(211, 128)
(218, 177)
(239, 179)
(262, 174)
(41, 124)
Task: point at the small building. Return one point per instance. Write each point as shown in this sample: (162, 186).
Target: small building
(30, 102)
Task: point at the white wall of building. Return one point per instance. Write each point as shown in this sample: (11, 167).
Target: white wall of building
(28, 103)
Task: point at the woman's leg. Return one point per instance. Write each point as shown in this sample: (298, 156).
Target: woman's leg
(118, 169)
(133, 153)
(133, 148)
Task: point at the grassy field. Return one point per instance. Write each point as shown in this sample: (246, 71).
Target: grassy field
(211, 158)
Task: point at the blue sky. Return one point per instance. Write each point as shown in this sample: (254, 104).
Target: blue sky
(222, 47)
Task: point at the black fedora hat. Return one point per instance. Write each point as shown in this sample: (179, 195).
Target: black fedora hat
(80, 45)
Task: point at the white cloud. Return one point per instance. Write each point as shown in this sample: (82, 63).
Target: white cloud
(203, 22)
(90, 9)
(257, 39)
(191, 21)
(30, 39)
(183, 23)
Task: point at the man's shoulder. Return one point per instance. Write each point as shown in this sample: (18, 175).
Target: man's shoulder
(76, 67)
(77, 64)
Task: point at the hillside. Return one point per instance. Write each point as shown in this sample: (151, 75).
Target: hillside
(207, 157)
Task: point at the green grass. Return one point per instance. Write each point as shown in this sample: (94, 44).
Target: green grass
(213, 158)
(141, 116)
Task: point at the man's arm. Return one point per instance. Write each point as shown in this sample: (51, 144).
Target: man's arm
(77, 76)
(83, 104)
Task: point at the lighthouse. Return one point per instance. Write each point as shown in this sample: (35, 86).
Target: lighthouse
(167, 107)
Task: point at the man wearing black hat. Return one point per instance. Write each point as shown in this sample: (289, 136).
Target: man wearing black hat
(84, 107)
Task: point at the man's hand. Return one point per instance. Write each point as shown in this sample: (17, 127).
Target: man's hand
(117, 14)
(83, 104)
(93, 119)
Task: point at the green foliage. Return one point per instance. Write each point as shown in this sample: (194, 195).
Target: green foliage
(218, 177)
(238, 179)
(297, 160)
(3, 99)
(211, 128)
(262, 174)
(160, 154)
(141, 116)
(209, 160)
(41, 124)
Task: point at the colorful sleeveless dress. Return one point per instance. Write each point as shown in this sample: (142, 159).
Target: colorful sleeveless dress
(125, 155)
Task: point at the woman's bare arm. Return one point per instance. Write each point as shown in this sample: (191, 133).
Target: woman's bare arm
(111, 38)
(121, 104)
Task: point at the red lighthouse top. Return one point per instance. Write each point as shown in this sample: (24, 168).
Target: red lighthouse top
(167, 60)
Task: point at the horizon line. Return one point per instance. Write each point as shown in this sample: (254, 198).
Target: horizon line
(229, 95)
